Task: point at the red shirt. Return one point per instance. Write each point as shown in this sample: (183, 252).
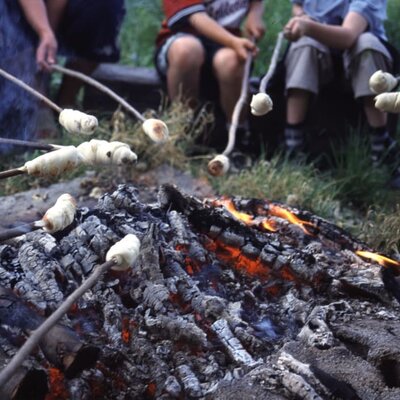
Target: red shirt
(228, 13)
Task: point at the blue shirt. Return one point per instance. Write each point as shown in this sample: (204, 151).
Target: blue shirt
(333, 12)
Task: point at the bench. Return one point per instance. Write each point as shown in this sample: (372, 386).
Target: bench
(139, 86)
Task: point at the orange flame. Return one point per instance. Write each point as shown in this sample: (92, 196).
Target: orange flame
(285, 214)
(381, 260)
(248, 219)
(233, 255)
(57, 388)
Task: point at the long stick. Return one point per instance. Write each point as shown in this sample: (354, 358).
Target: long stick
(20, 230)
(38, 333)
(238, 106)
(272, 66)
(99, 86)
(29, 89)
(25, 143)
(11, 172)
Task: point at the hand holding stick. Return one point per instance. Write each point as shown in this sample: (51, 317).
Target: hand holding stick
(127, 253)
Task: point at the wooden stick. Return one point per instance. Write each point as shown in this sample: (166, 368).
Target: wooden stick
(38, 333)
(238, 106)
(99, 86)
(11, 172)
(29, 89)
(272, 66)
(20, 230)
(25, 143)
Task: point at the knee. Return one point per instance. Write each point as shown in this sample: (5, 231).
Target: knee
(186, 53)
(227, 64)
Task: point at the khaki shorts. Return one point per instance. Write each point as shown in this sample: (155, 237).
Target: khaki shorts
(309, 64)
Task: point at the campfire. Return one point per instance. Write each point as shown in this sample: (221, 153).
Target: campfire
(228, 298)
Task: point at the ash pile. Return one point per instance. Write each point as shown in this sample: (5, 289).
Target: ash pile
(228, 299)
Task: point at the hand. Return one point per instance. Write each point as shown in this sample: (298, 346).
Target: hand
(254, 26)
(46, 51)
(243, 46)
(297, 27)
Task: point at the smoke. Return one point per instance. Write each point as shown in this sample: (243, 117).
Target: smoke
(17, 56)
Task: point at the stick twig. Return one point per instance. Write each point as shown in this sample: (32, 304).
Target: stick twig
(238, 106)
(20, 230)
(38, 333)
(12, 172)
(272, 66)
(25, 143)
(29, 89)
(99, 86)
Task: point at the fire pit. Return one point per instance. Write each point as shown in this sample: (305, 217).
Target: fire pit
(229, 298)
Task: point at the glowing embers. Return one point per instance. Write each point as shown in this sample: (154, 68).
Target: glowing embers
(381, 260)
(264, 222)
(230, 255)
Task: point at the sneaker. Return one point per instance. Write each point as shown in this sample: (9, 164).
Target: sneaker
(394, 182)
(240, 161)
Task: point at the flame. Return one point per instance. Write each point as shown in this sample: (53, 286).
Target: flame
(151, 389)
(241, 216)
(289, 216)
(248, 219)
(57, 388)
(381, 260)
(126, 332)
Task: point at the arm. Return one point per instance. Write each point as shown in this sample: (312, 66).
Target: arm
(36, 14)
(254, 26)
(341, 37)
(55, 11)
(208, 27)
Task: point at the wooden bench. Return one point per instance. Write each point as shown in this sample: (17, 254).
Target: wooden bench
(140, 86)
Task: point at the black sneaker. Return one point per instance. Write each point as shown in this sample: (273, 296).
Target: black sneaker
(394, 182)
(239, 161)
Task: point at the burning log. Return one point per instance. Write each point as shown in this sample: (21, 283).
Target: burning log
(155, 129)
(60, 345)
(29, 381)
(120, 256)
(73, 121)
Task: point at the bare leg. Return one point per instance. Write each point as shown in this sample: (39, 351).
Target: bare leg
(375, 117)
(228, 69)
(70, 86)
(185, 58)
(297, 106)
